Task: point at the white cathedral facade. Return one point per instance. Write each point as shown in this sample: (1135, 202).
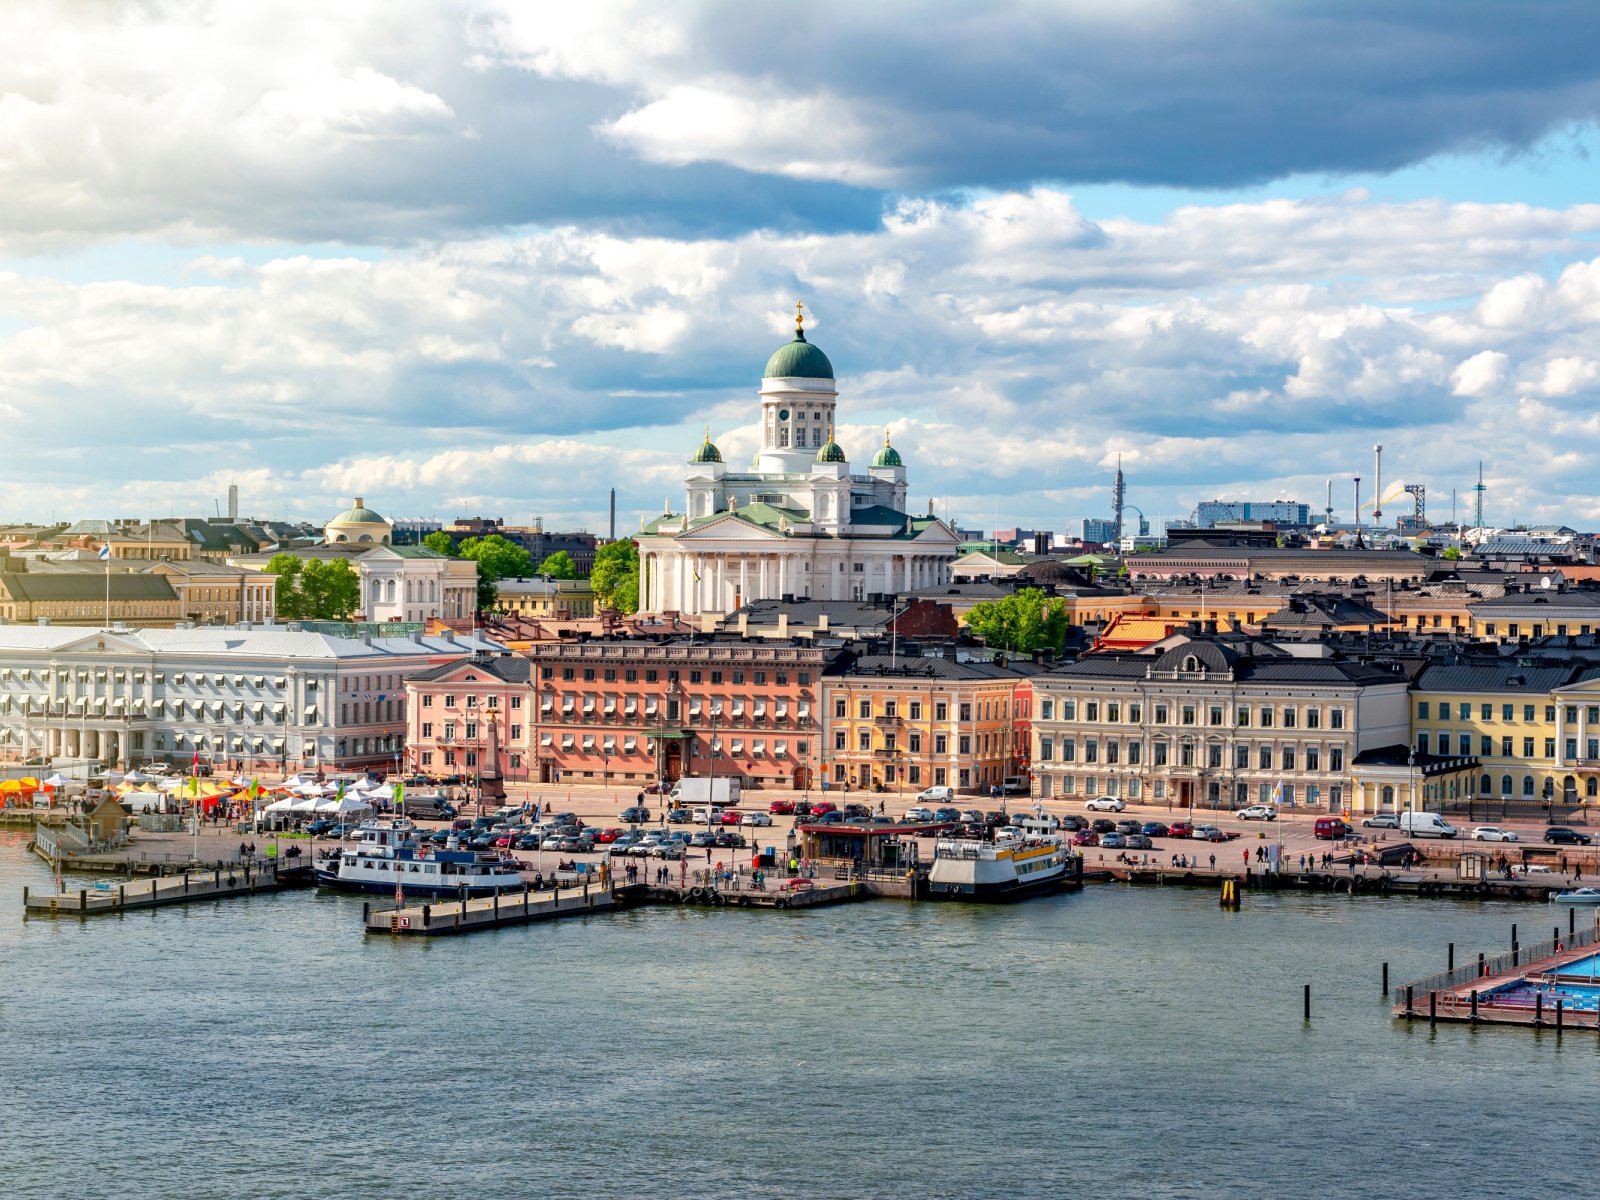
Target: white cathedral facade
(798, 523)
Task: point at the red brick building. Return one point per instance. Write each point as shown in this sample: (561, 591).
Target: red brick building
(633, 710)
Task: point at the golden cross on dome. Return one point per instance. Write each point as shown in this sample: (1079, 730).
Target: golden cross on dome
(799, 318)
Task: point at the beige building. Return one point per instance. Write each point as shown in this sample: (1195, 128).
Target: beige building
(80, 598)
(151, 543)
(211, 593)
(547, 599)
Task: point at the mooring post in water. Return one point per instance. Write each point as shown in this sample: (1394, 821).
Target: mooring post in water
(1474, 1006)
(1572, 920)
(1308, 1002)
(1450, 958)
(1538, 1008)
(1555, 935)
(1481, 967)
(1433, 1008)
(1385, 979)
(1559, 1003)
(1410, 1011)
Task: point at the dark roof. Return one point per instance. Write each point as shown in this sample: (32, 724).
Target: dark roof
(1544, 598)
(1502, 675)
(1404, 756)
(928, 666)
(1324, 611)
(1250, 660)
(512, 668)
(53, 586)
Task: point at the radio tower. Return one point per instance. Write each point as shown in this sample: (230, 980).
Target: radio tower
(1119, 492)
(1477, 504)
(1377, 486)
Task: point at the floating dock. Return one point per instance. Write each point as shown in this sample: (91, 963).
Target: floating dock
(239, 879)
(1553, 984)
(488, 912)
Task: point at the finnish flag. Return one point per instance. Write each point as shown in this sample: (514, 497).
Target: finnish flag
(105, 550)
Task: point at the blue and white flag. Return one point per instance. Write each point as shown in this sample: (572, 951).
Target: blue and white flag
(105, 550)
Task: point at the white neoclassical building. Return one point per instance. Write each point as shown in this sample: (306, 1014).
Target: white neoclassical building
(798, 522)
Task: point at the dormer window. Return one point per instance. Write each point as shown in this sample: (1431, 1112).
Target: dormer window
(1191, 663)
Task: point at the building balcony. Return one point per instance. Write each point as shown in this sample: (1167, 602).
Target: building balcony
(888, 722)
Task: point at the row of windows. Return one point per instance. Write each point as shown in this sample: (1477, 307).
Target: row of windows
(1486, 712)
(1263, 756)
(1516, 629)
(1440, 742)
(449, 701)
(653, 675)
(1110, 785)
(987, 710)
(986, 743)
(1264, 716)
(470, 728)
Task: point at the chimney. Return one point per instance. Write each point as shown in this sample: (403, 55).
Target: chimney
(822, 622)
(744, 621)
(783, 622)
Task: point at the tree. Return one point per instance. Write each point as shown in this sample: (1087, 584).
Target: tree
(559, 566)
(1022, 622)
(440, 542)
(329, 591)
(1453, 553)
(615, 577)
(287, 568)
(497, 558)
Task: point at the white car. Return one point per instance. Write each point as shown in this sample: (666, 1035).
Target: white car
(1492, 833)
(1105, 804)
(756, 818)
(919, 814)
(1258, 812)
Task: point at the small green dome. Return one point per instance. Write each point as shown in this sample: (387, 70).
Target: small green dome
(798, 359)
(888, 456)
(707, 451)
(831, 451)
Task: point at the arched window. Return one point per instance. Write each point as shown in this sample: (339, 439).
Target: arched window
(1388, 796)
(1486, 785)
(1191, 663)
(1505, 785)
(1591, 787)
(1527, 785)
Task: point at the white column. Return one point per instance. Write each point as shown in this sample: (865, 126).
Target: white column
(761, 568)
(744, 578)
(906, 572)
(783, 564)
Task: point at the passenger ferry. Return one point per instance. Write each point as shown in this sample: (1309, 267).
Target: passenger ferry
(385, 855)
(1006, 869)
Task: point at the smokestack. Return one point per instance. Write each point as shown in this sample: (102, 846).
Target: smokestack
(1357, 482)
(1377, 485)
(612, 536)
(233, 503)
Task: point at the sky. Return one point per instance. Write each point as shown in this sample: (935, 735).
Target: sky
(496, 258)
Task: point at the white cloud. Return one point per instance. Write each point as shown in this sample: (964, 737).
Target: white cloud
(1480, 374)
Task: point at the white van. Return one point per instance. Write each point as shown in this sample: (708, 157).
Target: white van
(939, 794)
(707, 814)
(1425, 824)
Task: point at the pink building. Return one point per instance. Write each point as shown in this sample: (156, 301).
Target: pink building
(471, 716)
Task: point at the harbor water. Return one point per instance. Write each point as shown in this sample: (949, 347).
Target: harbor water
(1115, 1042)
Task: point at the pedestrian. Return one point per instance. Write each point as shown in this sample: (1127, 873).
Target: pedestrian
(1247, 860)
(1213, 862)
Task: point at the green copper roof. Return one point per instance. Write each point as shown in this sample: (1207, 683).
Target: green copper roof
(798, 359)
(359, 515)
(831, 452)
(888, 456)
(707, 451)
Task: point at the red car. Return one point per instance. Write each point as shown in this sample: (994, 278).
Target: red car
(781, 808)
(1086, 837)
(608, 835)
(732, 816)
(823, 806)
(1180, 829)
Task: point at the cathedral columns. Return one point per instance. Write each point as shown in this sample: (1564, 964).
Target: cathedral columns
(744, 579)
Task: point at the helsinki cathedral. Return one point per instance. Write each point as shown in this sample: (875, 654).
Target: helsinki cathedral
(797, 523)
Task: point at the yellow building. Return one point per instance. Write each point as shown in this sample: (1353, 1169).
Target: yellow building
(902, 722)
(151, 543)
(1544, 609)
(80, 598)
(547, 599)
(211, 593)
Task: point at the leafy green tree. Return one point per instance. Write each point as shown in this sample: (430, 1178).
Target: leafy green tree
(329, 591)
(1453, 553)
(559, 566)
(497, 558)
(440, 542)
(287, 568)
(1022, 622)
(615, 577)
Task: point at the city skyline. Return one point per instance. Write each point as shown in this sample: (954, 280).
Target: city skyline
(470, 261)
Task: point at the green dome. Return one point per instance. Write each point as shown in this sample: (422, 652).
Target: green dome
(359, 515)
(831, 451)
(888, 456)
(707, 451)
(798, 359)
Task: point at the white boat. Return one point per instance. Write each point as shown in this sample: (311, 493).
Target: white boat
(1583, 895)
(1006, 869)
(385, 857)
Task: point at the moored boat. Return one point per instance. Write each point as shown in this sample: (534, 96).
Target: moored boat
(1583, 895)
(385, 858)
(1012, 869)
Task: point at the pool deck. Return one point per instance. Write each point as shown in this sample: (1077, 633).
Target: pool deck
(1453, 999)
(1368, 880)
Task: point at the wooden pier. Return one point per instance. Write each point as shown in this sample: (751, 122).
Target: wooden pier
(490, 912)
(1364, 880)
(1522, 986)
(239, 879)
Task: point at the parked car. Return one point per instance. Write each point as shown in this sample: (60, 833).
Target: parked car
(659, 788)
(1560, 835)
(1382, 821)
(1071, 823)
(1210, 833)
(703, 839)
(854, 811)
(994, 818)
(318, 828)
(1330, 829)
(823, 806)
(636, 815)
(951, 816)
(1258, 812)
(1491, 833)
(1153, 829)
(679, 816)
(1086, 837)
(606, 836)
(827, 818)
(1181, 829)
(972, 816)
(939, 794)
(732, 816)
(528, 841)
(1015, 785)
(781, 808)
(1129, 825)
(1103, 825)
(1106, 804)
(1113, 841)
(729, 840)
(757, 819)
(1138, 841)
(344, 829)
(918, 813)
